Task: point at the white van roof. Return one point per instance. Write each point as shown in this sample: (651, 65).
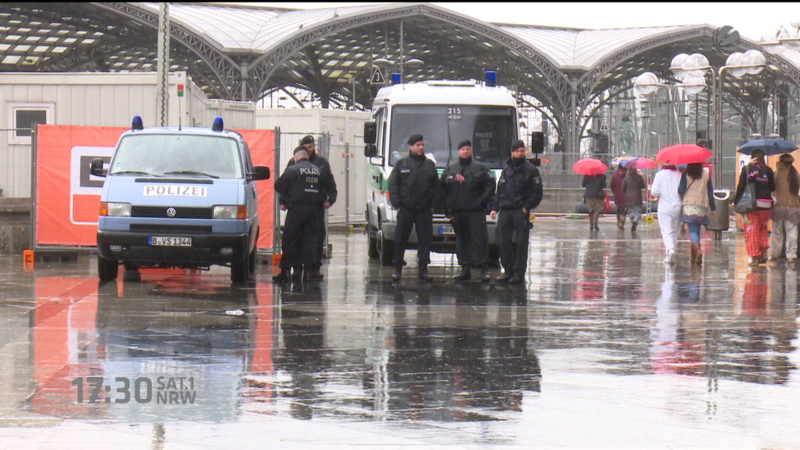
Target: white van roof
(444, 92)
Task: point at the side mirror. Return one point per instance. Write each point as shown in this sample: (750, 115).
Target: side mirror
(370, 132)
(370, 150)
(537, 142)
(96, 167)
(260, 173)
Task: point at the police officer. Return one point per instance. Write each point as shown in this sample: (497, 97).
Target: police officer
(413, 184)
(519, 190)
(468, 189)
(328, 190)
(300, 186)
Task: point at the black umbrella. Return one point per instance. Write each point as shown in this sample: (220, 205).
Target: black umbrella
(770, 146)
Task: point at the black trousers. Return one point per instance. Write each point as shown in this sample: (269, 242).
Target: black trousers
(472, 238)
(512, 240)
(422, 221)
(319, 220)
(299, 237)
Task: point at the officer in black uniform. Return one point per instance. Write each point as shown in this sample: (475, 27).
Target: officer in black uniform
(468, 189)
(300, 186)
(413, 184)
(328, 190)
(519, 191)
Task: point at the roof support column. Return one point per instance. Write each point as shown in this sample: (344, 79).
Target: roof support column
(573, 122)
(162, 65)
(244, 77)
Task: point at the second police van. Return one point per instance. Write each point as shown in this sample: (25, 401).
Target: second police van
(444, 112)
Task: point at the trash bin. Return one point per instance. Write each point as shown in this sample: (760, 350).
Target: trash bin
(721, 222)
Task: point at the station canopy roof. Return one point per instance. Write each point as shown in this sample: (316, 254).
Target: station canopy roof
(244, 52)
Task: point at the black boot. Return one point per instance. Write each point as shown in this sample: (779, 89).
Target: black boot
(464, 275)
(281, 277)
(424, 275)
(485, 278)
(314, 274)
(297, 275)
(398, 271)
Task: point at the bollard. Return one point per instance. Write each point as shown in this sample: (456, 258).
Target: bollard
(27, 259)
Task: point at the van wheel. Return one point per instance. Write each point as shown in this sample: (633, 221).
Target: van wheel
(372, 250)
(240, 269)
(107, 268)
(385, 249)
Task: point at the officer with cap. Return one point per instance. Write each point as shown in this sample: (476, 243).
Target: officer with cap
(328, 190)
(300, 187)
(468, 189)
(519, 190)
(413, 184)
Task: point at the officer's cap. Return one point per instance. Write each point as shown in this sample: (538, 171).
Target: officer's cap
(414, 139)
(463, 143)
(517, 144)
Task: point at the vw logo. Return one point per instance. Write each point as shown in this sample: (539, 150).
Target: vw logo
(171, 212)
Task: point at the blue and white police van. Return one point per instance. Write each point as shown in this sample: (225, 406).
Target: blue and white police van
(178, 197)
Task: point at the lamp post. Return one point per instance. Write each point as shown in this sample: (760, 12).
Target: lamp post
(739, 64)
(647, 84)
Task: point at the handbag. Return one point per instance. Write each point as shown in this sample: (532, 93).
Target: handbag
(607, 203)
(747, 202)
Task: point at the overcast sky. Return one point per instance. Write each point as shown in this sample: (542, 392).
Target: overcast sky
(750, 19)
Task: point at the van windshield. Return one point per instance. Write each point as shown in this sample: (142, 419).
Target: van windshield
(173, 154)
(492, 130)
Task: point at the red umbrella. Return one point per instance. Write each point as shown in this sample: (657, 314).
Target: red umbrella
(640, 163)
(589, 166)
(682, 154)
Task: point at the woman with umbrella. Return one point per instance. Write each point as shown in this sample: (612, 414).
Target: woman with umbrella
(786, 211)
(632, 186)
(756, 239)
(697, 205)
(665, 188)
(594, 184)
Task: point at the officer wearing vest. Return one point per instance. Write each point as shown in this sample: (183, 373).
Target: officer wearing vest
(329, 193)
(300, 186)
(413, 184)
(468, 189)
(519, 191)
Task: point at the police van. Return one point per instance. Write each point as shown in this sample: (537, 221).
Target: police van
(178, 197)
(444, 112)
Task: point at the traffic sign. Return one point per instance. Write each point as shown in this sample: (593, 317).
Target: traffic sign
(377, 76)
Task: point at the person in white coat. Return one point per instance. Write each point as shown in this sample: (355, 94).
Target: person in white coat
(665, 187)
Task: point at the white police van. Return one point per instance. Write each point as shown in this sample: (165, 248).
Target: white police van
(178, 197)
(444, 112)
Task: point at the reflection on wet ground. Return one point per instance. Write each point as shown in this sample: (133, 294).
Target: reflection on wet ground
(603, 345)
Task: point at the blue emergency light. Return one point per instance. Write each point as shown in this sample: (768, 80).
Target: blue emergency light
(396, 78)
(491, 78)
(136, 123)
(217, 126)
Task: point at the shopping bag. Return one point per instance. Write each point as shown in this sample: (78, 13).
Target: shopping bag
(607, 203)
(747, 202)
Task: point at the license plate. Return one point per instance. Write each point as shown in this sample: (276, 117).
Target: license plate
(446, 230)
(170, 241)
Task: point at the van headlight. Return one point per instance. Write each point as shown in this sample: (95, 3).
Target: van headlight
(229, 212)
(115, 209)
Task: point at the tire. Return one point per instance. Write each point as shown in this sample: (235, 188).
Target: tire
(107, 269)
(239, 269)
(385, 249)
(372, 250)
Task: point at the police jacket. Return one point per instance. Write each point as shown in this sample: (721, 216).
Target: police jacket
(327, 183)
(474, 193)
(300, 185)
(519, 186)
(413, 183)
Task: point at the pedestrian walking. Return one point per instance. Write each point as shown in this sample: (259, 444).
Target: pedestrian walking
(785, 212)
(697, 205)
(756, 239)
(594, 196)
(413, 185)
(619, 195)
(328, 190)
(632, 186)
(665, 188)
(300, 186)
(519, 191)
(468, 189)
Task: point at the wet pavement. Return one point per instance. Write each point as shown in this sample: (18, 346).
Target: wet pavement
(602, 346)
